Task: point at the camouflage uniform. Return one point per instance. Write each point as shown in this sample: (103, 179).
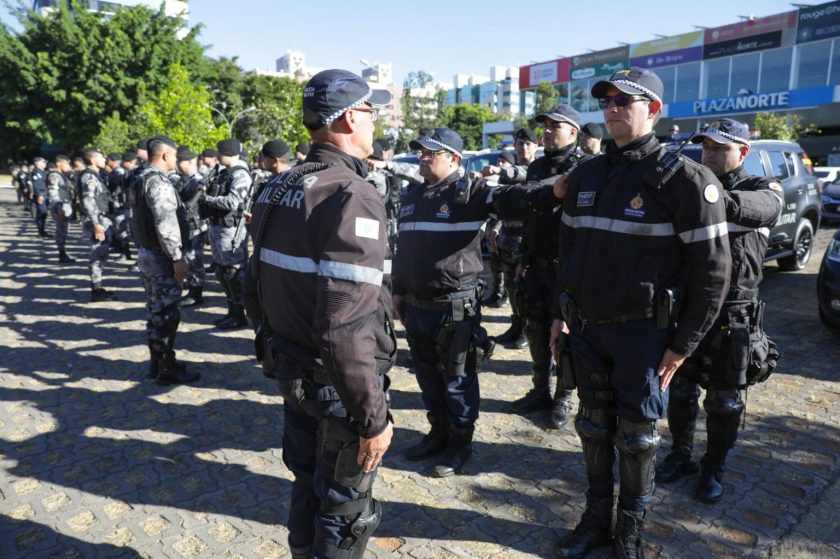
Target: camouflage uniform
(190, 191)
(95, 204)
(60, 196)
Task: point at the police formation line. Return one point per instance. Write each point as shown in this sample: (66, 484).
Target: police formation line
(632, 277)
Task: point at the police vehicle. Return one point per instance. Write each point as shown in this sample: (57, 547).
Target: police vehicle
(792, 239)
(828, 284)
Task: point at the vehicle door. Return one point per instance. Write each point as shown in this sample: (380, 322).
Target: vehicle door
(780, 168)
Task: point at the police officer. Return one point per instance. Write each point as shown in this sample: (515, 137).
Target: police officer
(229, 252)
(301, 151)
(539, 251)
(161, 259)
(498, 296)
(25, 185)
(753, 204)
(320, 249)
(591, 136)
(509, 239)
(39, 194)
(96, 222)
(60, 193)
(190, 189)
(643, 234)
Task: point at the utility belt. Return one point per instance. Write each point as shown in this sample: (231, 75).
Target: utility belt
(228, 220)
(741, 296)
(665, 311)
(457, 301)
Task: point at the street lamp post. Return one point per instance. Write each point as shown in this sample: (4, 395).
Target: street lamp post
(231, 123)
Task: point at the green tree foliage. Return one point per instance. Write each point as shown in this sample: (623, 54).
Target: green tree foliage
(772, 126)
(63, 75)
(468, 121)
(420, 109)
(182, 112)
(278, 114)
(546, 100)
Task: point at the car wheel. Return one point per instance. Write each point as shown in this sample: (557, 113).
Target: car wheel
(829, 321)
(803, 242)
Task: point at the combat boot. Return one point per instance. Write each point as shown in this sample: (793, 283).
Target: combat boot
(458, 450)
(710, 487)
(193, 298)
(560, 408)
(98, 295)
(432, 444)
(172, 372)
(627, 543)
(229, 313)
(301, 552)
(512, 334)
(675, 466)
(235, 320)
(539, 397)
(594, 529)
(64, 258)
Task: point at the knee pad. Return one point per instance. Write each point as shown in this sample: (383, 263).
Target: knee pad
(353, 546)
(595, 424)
(637, 439)
(723, 402)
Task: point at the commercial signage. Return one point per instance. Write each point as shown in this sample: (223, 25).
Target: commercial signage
(742, 46)
(756, 102)
(749, 28)
(600, 63)
(555, 71)
(818, 22)
(666, 51)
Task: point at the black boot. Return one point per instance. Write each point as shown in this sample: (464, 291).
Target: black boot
(539, 397)
(98, 294)
(710, 487)
(560, 407)
(235, 320)
(516, 331)
(221, 319)
(458, 450)
(682, 423)
(301, 552)
(432, 444)
(154, 363)
(628, 535)
(594, 529)
(64, 258)
(194, 298)
(172, 372)
(675, 466)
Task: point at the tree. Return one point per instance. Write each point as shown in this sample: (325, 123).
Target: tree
(546, 100)
(773, 126)
(66, 73)
(468, 121)
(278, 114)
(421, 107)
(182, 112)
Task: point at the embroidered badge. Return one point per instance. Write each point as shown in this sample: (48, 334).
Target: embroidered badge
(585, 199)
(775, 186)
(407, 210)
(367, 228)
(711, 194)
(443, 212)
(636, 207)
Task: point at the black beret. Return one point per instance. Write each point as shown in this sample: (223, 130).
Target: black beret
(166, 140)
(62, 157)
(87, 153)
(184, 154)
(142, 144)
(593, 129)
(526, 134)
(508, 156)
(129, 156)
(302, 148)
(275, 148)
(209, 152)
(114, 156)
(229, 147)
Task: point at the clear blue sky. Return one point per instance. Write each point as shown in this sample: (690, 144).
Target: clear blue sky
(446, 37)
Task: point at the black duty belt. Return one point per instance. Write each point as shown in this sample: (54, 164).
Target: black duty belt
(621, 318)
(444, 302)
(741, 295)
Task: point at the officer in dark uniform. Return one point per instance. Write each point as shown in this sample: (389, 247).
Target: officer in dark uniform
(190, 189)
(539, 251)
(721, 363)
(60, 193)
(25, 185)
(96, 223)
(320, 260)
(509, 241)
(591, 136)
(39, 194)
(498, 295)
(643, 234)
(160, 228)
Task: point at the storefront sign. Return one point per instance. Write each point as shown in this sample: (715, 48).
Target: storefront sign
(818, 22)
(600, 63)
(756, 102)
(555, 71)
(744, 45)
(750, 28)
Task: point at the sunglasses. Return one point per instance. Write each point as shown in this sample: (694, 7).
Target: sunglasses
(374, 114)
(621, 100)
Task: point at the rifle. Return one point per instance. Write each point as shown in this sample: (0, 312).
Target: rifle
(246, 206)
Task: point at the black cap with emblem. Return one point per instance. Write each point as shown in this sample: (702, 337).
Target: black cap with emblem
(331, 93)
(633, 80)
(230, 147)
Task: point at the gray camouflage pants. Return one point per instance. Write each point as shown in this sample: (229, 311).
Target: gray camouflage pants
(62, 224)
(221, 244)
(194, 255)
(98, 250)
(162, 295)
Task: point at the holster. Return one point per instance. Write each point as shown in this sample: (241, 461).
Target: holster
(565, 366)
(340, 446)
(667, 308)
(262, 348)
(764, 354)
(455, 338)
(289, 377)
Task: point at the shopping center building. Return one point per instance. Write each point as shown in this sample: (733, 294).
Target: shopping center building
(784, 63)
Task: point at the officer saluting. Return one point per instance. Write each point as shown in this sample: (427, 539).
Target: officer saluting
(319, 257)
(641, 228)
(720, 365)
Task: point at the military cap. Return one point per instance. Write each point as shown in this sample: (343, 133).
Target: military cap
(561, 113)
(142, 144)
(62, 157)
(725, 131)
(303, 148)
(593, 130)
(209, 152)
(39, 159)
(441, 138)
(129, 156)
(508, 156)
(184, 154)
(331, 93)
(275, 148)
(525, 134)
(633, 80)
(165, 140)
(229, 147)
(87, 153)
(114, 156)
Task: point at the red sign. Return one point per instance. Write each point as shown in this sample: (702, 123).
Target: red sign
(759, 26)
(553, 71)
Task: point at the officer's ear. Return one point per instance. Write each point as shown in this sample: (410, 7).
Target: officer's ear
(744, 149)
(654, 107)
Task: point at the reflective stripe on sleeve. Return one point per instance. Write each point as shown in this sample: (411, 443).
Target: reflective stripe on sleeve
(440, 227)
(293, 263)
(704, 233)
(326, 268)
(664, 229)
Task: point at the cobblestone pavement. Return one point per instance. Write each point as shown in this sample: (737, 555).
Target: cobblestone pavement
(97, 462)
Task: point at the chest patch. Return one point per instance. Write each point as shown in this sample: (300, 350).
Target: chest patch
(636, 207)
(444, 211)
(407, 210)
(585, 199)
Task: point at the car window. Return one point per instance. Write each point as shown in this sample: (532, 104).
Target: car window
(753, 164)
(778, 166)
(477, 163)
(790, 164)
(803, 166)
(821, 174)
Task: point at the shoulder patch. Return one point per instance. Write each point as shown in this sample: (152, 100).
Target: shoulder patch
(711, 194)
(367, 228)
(53, 179)
(777, 186)
(91, 185)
